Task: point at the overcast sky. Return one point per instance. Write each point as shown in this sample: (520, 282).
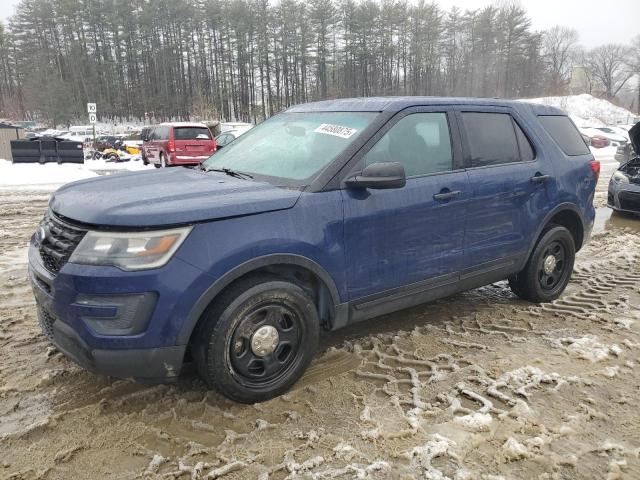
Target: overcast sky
(597, 21)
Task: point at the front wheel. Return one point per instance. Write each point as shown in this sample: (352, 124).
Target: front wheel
(549, 268)
(257, 339)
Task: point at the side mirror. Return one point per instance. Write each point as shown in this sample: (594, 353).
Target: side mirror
(379, 175)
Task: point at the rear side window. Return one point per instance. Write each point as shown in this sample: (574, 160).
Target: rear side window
(491, 138)
(565, 134)
(191, 133)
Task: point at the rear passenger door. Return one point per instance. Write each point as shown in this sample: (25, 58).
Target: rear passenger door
(510, 181)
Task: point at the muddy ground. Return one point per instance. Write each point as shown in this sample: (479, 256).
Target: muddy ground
(478, 386)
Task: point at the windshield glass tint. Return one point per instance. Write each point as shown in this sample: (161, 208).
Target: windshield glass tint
(293, 146)
(191, 133)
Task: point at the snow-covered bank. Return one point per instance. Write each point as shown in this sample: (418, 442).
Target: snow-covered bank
(33, 176)
(587, 110)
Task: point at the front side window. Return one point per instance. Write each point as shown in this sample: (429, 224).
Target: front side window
(491, 138)
(419, 141)
(292, 146)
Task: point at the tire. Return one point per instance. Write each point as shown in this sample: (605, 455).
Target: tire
(144, 159)
(227, 342)
(163, 161)
(544, 282)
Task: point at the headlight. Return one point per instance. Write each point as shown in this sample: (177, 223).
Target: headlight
(129, 250)
(620, 177)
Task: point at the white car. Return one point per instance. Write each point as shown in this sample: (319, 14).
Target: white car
(614, 137)
(238, 128)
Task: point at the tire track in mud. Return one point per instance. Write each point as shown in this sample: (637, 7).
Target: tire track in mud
(479, 384)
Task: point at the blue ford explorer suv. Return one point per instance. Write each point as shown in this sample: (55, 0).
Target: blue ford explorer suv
(327, 214)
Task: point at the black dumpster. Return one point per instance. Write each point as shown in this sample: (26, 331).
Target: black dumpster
(70, 152)
(25, 151)
(46, 150)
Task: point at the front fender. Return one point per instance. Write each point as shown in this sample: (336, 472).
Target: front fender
(246, 267)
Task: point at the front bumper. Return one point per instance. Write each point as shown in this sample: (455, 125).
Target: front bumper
(624, 197)
(146, 347)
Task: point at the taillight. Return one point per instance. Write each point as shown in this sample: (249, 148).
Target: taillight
(171, 146)
(214, 146)
(595, 168)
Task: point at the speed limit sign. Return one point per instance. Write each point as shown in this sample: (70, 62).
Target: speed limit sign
(91, 108)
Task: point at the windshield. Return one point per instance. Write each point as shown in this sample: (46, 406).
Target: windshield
(292, 146)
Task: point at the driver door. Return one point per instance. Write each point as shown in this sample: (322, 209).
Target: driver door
(403, 244)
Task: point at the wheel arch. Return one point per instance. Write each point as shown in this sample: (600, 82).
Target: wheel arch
(301, 270)
(569, 216)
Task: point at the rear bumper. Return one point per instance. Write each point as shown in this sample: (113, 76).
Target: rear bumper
(179, 159)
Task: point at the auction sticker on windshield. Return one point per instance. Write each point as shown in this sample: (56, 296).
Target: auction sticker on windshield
(335, 130)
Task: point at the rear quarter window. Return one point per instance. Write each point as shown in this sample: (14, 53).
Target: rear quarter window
(565, 134)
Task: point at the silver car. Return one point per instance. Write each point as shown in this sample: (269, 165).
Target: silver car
(624, 186)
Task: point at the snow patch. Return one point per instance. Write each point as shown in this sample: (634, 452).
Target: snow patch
(514, 450)
(475, 422)
(587, 348)
(586, 110)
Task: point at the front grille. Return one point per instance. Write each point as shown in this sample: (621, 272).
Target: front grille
(46, 321)
(629, 201)
(58, 241)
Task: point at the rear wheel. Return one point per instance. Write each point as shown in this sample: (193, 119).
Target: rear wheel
(549, 268)
(163, 161)
(257, 339)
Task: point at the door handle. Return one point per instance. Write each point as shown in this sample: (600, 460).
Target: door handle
(446, 195)
(539, 178)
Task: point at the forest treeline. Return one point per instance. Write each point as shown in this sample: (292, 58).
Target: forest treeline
(248, 59)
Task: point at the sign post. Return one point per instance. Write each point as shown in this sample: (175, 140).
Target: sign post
(92, 111)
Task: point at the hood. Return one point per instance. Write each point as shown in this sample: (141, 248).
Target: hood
(170, 196)
(634, 137)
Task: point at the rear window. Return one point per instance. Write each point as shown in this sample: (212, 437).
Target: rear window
(565, 134)
(491, 138)
(191, 133)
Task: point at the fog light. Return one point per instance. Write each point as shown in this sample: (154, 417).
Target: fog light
(126, 314)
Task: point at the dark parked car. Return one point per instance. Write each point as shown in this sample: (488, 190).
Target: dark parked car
(105, 141)
(170, 144)
(624, 186)
(327, 214)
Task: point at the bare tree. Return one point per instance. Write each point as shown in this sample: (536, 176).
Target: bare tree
(634, 65)
(559, 48)
(608, 65)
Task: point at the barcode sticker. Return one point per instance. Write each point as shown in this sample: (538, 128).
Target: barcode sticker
(335, 130)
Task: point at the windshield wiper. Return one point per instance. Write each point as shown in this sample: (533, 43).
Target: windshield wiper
(228, 171)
